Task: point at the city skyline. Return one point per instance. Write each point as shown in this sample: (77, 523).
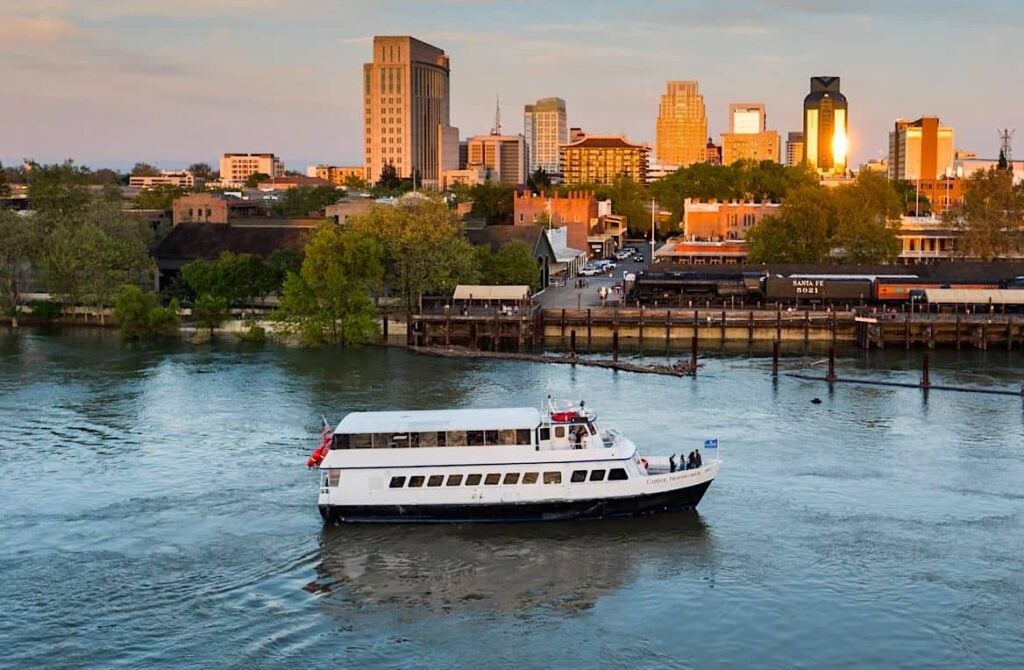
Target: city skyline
(118, 82)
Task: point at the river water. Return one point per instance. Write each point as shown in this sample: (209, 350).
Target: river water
(155, 510)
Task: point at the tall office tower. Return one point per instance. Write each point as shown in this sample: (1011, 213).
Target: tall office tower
(405, 98)
(920, 150)
(748, 138)
(825, 120)
(544, 127)
(682, 128)
(794, 148)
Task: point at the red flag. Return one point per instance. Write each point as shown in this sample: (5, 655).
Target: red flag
(320, 452)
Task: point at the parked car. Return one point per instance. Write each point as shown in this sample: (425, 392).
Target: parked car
(589, 271)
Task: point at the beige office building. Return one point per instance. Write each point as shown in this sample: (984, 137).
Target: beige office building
(794, 148)
(405, 101)
(920, 150)
(236, 168)
(682, 128)
(601, 159)
(499, 157)
(545, 129)
(748, 137)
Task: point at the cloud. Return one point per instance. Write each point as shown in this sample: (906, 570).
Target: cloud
(34, 29)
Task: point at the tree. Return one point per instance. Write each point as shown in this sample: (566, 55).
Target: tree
(513, 264)
(201, 171)
(867, 218)
(629, 199)
(161, 196)
(256, 178)
(914, 204)
(389, 178)
(5, 189)
(305, 200)
(57, 190)
(798, 234)
(142, 318)
(210, 311)
(421, 245)
(21, 245)
(539, 182)
(328, 300)
(354, 182)
(991, 219)
(493, 201)
(144, 170)
(91, 253)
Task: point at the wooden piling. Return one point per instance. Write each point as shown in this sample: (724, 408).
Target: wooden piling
(958, 332)
(750, 327)
(1009, 334)
(722, 329)
(668, 328)
(831, 364)
(775, 358)
(906, 331)
(926, 382)
(641, 327)
(563, 324)
(807, 327)
(778, 323)
(572, 342)
(590, 326)
(693, 355)
(385, 328)
(447, 327)
(615, 344)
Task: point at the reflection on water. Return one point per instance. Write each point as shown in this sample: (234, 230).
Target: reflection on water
(567, 567)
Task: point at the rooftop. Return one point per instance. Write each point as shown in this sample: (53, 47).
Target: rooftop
(439, 420)
(604, 142)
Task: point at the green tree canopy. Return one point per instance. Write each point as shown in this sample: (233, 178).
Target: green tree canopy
(145, 170)
(328, 301)
(798, 234)
(991, 219)
(202, 171)
(141, 317)
(493, 201)
(21, 245)
(305, 200)
(57, 190)
(422, 247)
(160, 197)
(539, 182)
(256, 178)
(513, 264)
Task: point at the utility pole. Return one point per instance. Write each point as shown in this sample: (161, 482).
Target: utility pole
(652, 231)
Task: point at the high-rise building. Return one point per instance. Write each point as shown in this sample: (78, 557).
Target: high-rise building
(236, 168)
(600, 159)
(545, 129)
(682, 127)
(748, 137)
(794, 148)
(825, 123)
(920, 150)
(499, 157)
(405, 101)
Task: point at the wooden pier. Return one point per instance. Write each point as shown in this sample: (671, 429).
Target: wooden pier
(962, 331)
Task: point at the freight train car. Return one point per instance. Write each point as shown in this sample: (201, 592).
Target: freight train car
(890, 291)
(821, 289)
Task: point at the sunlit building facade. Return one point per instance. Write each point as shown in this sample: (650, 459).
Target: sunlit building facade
(920, 150)
(600, 159)
(682, 127)
(545, 129)
(825, 127)
(748, 137)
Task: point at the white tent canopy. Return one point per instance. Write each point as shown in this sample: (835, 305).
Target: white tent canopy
(477, 292)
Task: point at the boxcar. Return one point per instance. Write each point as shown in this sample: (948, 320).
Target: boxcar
(811, 289)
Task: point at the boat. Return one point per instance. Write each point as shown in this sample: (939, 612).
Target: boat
(517, 464)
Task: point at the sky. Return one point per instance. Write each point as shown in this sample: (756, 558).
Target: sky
(171, 82)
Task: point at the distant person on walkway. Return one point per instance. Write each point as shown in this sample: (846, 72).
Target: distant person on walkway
(697, 459)
(672, 463)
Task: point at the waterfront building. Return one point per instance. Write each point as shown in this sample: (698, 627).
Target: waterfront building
(336, 174)
(588, 222)
(825, 127)
(920, 150)
(794, 148)
(406, 109)
(600, 159)
(748, 137)
(180, 179)
(682, 125)
(236, 168)
(545, 129)
(499, 157)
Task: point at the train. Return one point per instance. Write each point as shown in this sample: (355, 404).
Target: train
(690, 288)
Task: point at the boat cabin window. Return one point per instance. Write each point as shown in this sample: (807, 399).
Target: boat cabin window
(454, 480)
(416, 481)
(552, 477)
(441, 441)
(597, 475)
(490, 437)
(357, 441)
(592, 429)
(473, 480)
(559, 431)
(617, 475)
(435, 480)
(578, 476)
(332, 477)
(543, 434)
(397, 482)
(530, 478)
(523, 436)
(492, 479)
(475, 438)
(340, 442)
(511, 478)
(427, 439)
(400, 440)
(456, 438)
(508, 437)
